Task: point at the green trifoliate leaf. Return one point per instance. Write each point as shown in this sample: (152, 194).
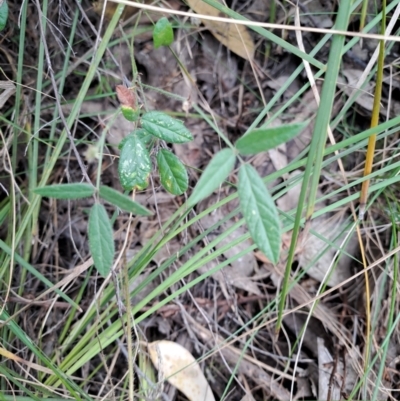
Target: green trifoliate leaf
(101, 241)
(173, 173)
(134, 164)
(216, 172)
(165, 127)
(66, 191)
(163, 34)
(260, 213)
(264, 139)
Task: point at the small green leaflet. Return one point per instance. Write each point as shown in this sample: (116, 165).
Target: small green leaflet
(259, 212)
(129, 113)
(123, 201)
(3, 14)
(263, 139)
(101, 241)
(134, 164)
(165, 127)
(66, 191)
(216, 172)
(163, 34)
(173, 173)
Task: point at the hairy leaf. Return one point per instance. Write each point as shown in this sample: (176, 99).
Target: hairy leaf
(165, 127)
(101, 241)
(122, 201)
(215, 173)
(173, 173)
(264, 139)
(260, 212)
(66, 191)
(134, 164)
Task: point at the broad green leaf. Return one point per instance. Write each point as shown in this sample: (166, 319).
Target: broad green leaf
(216, 172)
(173, 173)
(163, 34)
(66, 191)
(260, 212)
(3, 14)
(123, 201)
(264, 139)
(134, 164)
(165, 127)
(101, 241)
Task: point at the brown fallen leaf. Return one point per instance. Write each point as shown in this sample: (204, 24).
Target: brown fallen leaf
(180, 368)
(235, 37)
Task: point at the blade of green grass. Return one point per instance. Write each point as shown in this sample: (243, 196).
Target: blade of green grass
(317, 146)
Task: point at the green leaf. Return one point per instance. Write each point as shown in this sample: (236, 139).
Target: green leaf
(260, 212)
(101, 241)
(3, 14)
(264, 139)
(123, 202)
(163, 34)
(134, 164)
(216, 172)
(165, 127)
(66, 191)
(142, 134)
(173, 173)
(129, 113)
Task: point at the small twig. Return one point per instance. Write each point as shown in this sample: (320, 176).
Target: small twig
(45, 304)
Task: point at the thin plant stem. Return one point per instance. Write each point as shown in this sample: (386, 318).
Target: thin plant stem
(374, 118)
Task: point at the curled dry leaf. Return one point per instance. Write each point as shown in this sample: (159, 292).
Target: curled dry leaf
(178, 366)
(125, 96)
(235, 37)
